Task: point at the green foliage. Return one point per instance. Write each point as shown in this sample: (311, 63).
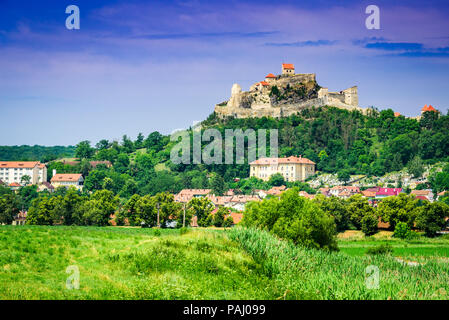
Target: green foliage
(401, 208)
(358, 208)
(84, 150)
(402, 231)
(294, 218)
(416, 167)
(276, 180)
(337, 208)
(201, 208)
(35, 153)
(382, 249)
(431, 217)
(9, 207)
(219, 217)
(369, 224)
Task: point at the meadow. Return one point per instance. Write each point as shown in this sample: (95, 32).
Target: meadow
(136, 263)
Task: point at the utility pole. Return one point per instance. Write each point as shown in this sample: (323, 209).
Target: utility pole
(184, 218)
(158, 206)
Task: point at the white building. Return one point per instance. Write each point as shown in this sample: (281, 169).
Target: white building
(13, 171)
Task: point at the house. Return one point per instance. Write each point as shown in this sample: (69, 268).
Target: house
(236, 217)
(20, 218)
(428, 194)
(15, 186)
(343, 191)
(270, 77)
(186, 195)
(68, 180)
(276, 191)
(441, 194)
(46, 186)
(427, 108)
(306, 195)
(238, 202)
(387, 192)
(288, 69)
(291, 168)
(14, 171)
(324, 191)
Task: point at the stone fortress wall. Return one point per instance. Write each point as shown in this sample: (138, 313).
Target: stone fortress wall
(257, 102)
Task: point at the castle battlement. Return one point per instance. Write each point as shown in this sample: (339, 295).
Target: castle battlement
(283, 95)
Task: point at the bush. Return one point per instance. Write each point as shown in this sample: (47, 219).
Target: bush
(229, 222)
(380, 249)
(157, 232)
(369, 224)
(431, 218)
(402, 231)
(183, 230)
(293, 218)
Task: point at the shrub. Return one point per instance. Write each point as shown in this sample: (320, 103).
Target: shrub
(369, 224)
(183, 230)
(229, 222)
(380, 249)
(294, 218)
(431, 216)
(402, 231)
(157, 232)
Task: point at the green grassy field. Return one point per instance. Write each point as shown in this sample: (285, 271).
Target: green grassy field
(135, 263)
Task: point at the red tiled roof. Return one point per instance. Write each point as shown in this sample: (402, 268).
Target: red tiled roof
(264, 83)
(66, 177)
(291, 159)
(20, 164)
(421, 192)
(14, 184)
(441, 193)
(270, 75)
(428, 108)
(388, 191)
(397, 114)
(422, 198)
(287, 66)
(236, 217)
(369, 194)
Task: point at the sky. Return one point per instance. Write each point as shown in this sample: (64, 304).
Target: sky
(143, 66)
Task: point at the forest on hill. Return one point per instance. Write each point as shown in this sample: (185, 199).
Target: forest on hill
(35, 153)
(337, 140)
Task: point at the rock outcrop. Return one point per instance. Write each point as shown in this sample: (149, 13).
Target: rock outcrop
(284, 95)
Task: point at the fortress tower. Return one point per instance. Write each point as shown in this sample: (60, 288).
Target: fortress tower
(288, 69)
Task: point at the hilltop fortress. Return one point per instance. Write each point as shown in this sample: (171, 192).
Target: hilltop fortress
(284, 95)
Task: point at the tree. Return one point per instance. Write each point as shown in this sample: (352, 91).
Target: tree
(26, 179)
(103, 145)
(146, 211)
(130, 210)
(369, 223)
(219, 217)
(218, 185)
(401, 208)
(84, 150)
(358, 207)
(337, 208)
(42, 211)
(343, 175)
(402, 231)
(9, 207)
(431, 217)
(68, 208)
(416, 167)
(201, 208)
(294, 218)
(100, 208)
(276, 180)
(229, 222)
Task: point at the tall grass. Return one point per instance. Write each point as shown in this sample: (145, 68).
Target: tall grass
(315, 274)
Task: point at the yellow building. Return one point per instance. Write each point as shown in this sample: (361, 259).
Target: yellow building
(291, 168)
(68, 180)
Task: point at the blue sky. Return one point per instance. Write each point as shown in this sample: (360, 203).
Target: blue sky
(140, 66)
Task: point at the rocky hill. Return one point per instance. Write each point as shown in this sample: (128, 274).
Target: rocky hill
(284, 95)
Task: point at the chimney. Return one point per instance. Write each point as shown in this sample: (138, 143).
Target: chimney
(54, 172)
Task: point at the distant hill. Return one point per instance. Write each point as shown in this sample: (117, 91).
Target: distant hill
(35, 153)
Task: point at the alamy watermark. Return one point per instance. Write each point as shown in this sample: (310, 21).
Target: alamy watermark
(372, 277)
(73, 280)
(190, 149)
